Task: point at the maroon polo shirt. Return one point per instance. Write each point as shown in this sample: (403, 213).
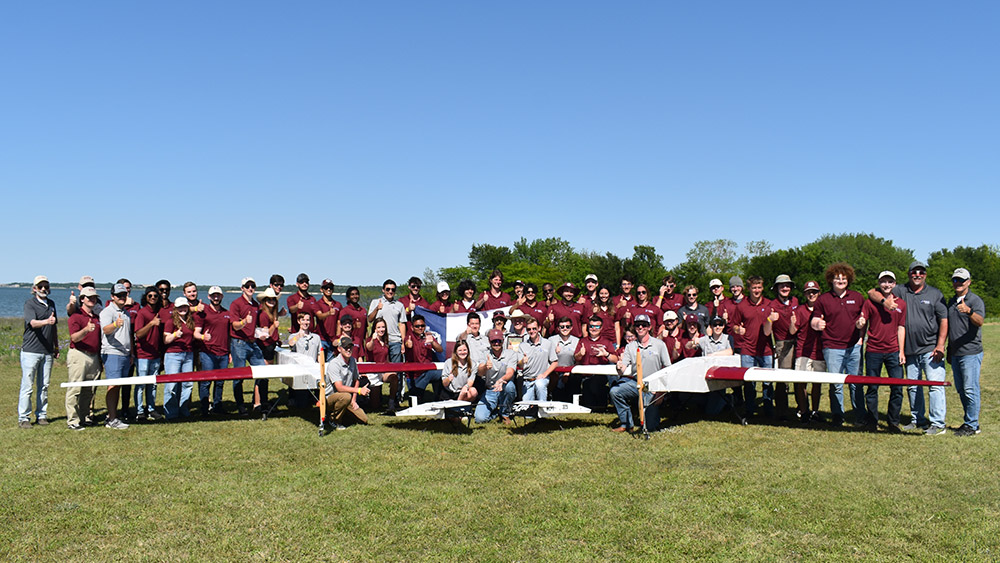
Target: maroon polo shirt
(459, 307)
(674, 345)
(308, 307)
(360, 316)
(238, 310)
(780, 326)
(729, 308)
(182, 344)
(672, 302)
(91, 343)
(407, 300)
(215, 323)
(264, 321)
(752, 317)
(420, 351)
(572, 310)
(379, 352)
(149, 347)
(654, 313)
(694, 350)
(883, 326)
(840, 314)
(607, 323)
(440, 306)
(589, 348)
(538, 311)
(502, 300)
(328, 326)
(808, 342)
(629, 299)
(621, 311)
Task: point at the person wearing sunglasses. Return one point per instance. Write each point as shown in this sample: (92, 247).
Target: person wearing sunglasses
(443, 303)
(394, 312)
(564, 385)
(692, 307)
(39, 348)
(327, 313)
(497, 373)
(966, 311)
(300, 302)
(530, 305)
(594, 350)
(808, 352)
(83, 362)
(537, 361)
(567, 307)
(421, 347)
(624, 392)
(926, 327)
(71, 306)
(413, 299)
(243, 348)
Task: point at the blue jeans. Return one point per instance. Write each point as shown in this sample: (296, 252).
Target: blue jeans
(243, 353)
(177, 396)
(873, 368)
(430, 377)
(846, 361)
(493, 403)
(750, 387)
(916, 365)
(115, 366)
(536, 390)
(146, 367)
(966, 372)
(210, 362)
(328, 350)
(624, 393)
(396, 352)
(35, 369)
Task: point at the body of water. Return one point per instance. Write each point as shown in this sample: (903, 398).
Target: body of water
(12, 299)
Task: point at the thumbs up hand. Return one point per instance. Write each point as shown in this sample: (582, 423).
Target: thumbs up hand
(860, 323)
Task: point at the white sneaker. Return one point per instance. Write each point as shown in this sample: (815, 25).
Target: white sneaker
(116, 423)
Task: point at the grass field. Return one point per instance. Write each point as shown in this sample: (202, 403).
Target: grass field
(239, 489)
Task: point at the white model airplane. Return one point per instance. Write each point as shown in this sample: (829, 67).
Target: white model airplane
(435, 409)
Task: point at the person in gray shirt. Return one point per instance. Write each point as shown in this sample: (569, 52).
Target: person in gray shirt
(478, 344)
(342, 385)
(116, 349)
(926, 331)
(966, 312)
(39, 348)
(538, 361)
(498, 376)
(715, 343)
(624, 391)
(394, 312)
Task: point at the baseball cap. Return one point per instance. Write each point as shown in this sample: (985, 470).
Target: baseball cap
(181, 302)
(86, 280)
(691, 319)
(669, 315)
(811, 285)
(214, 289)
(302, 278)
(494, 334)
(518, 283)
(39, 279)
(345, 342)
(570, 286)
(642, 319)
(590, 277)
(346, 319)
(717, 321)
(498, 314)
(917, 264)
(887, 273)
(88, 292)
(443, 286)
(247, 280)
(327, 283)
(119, 289)
(716, 282)
(961, 273)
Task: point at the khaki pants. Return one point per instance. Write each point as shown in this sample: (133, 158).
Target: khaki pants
(339, 403)
(81, 367)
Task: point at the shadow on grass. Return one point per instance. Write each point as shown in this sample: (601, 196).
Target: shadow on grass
(549, 425)
(428, 425)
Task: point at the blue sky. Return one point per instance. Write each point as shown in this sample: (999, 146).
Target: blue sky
(359, 141)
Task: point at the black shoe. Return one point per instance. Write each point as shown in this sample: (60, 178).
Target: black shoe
(243, 410)
(74, 427)
(153, 415)
(838, 421)
(894, 429)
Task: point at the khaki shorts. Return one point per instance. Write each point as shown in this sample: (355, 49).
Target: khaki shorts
(806, 364)
(784, 354)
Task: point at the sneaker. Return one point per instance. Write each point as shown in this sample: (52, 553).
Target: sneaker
(141, 417)
(339, 427)
(116, 424)
(74, 427)
(935, 430)
(910, 427)
(814, 416)
(42, 422)
(619, 429)
(966, 430)
(893, 429)
(153, 415)
(25, 424)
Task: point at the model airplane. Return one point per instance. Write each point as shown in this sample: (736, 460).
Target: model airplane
(435, 409)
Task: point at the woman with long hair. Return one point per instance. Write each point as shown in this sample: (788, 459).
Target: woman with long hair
(466, 301)
(604, 307)
(377, 347)
(178, 336)
(267, 338)
(457, 376)
(149, 352)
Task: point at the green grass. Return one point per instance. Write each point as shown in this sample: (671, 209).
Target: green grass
(237, 489)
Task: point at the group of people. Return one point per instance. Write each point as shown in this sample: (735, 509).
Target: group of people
(900, 328)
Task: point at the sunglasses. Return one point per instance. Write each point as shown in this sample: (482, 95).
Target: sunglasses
(419, 326)
(496, 341)
(565, 326)
(389, 289)
(957, 280)
(642, 324)
(594, 327)
(918, 273)
(641, 292)
(250, 286)
(692, 294)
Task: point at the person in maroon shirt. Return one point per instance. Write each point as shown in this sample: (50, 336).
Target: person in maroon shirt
(301, 302)
(886, 334)
(667, 300)
(377, 347)
(443, 303)
(808, 352)
(211, 328)
(327, 313)
(347, 324)
(716, 298)
(242, 344)
(624, 298)
(604, 307)
(549, 294)
(268, 339)
(466, 302)
(752, 321)
(784, 343)
(148, 333)
(839, 317)
(569, 308)
(493, 297)
(645, 306)
(178, 336)
(671, 334)
(518, 291)
(530, 305)
(589, 293)
(413, 300)
(359, 317)
(689, 339)
(420, 347)
(595, 350)
(83, 361)
(729, 307)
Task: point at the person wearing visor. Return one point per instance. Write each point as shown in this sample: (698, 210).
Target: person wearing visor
(624, 392)
(39, 348)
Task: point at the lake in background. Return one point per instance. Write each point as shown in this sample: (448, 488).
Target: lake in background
(12, 299)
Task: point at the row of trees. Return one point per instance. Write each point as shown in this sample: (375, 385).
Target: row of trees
(555, 260)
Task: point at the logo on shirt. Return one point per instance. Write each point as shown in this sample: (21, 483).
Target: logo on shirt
(850, 302)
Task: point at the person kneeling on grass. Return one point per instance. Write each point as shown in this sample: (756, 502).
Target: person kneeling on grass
(498, 374)
(457, 376)
(624, 391)
(342, 385)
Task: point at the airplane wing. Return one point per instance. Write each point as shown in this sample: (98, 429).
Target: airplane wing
(250, 372)
(434, 409)
(796, 376)
(550, 409)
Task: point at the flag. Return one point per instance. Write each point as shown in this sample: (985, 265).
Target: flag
(447, 327)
